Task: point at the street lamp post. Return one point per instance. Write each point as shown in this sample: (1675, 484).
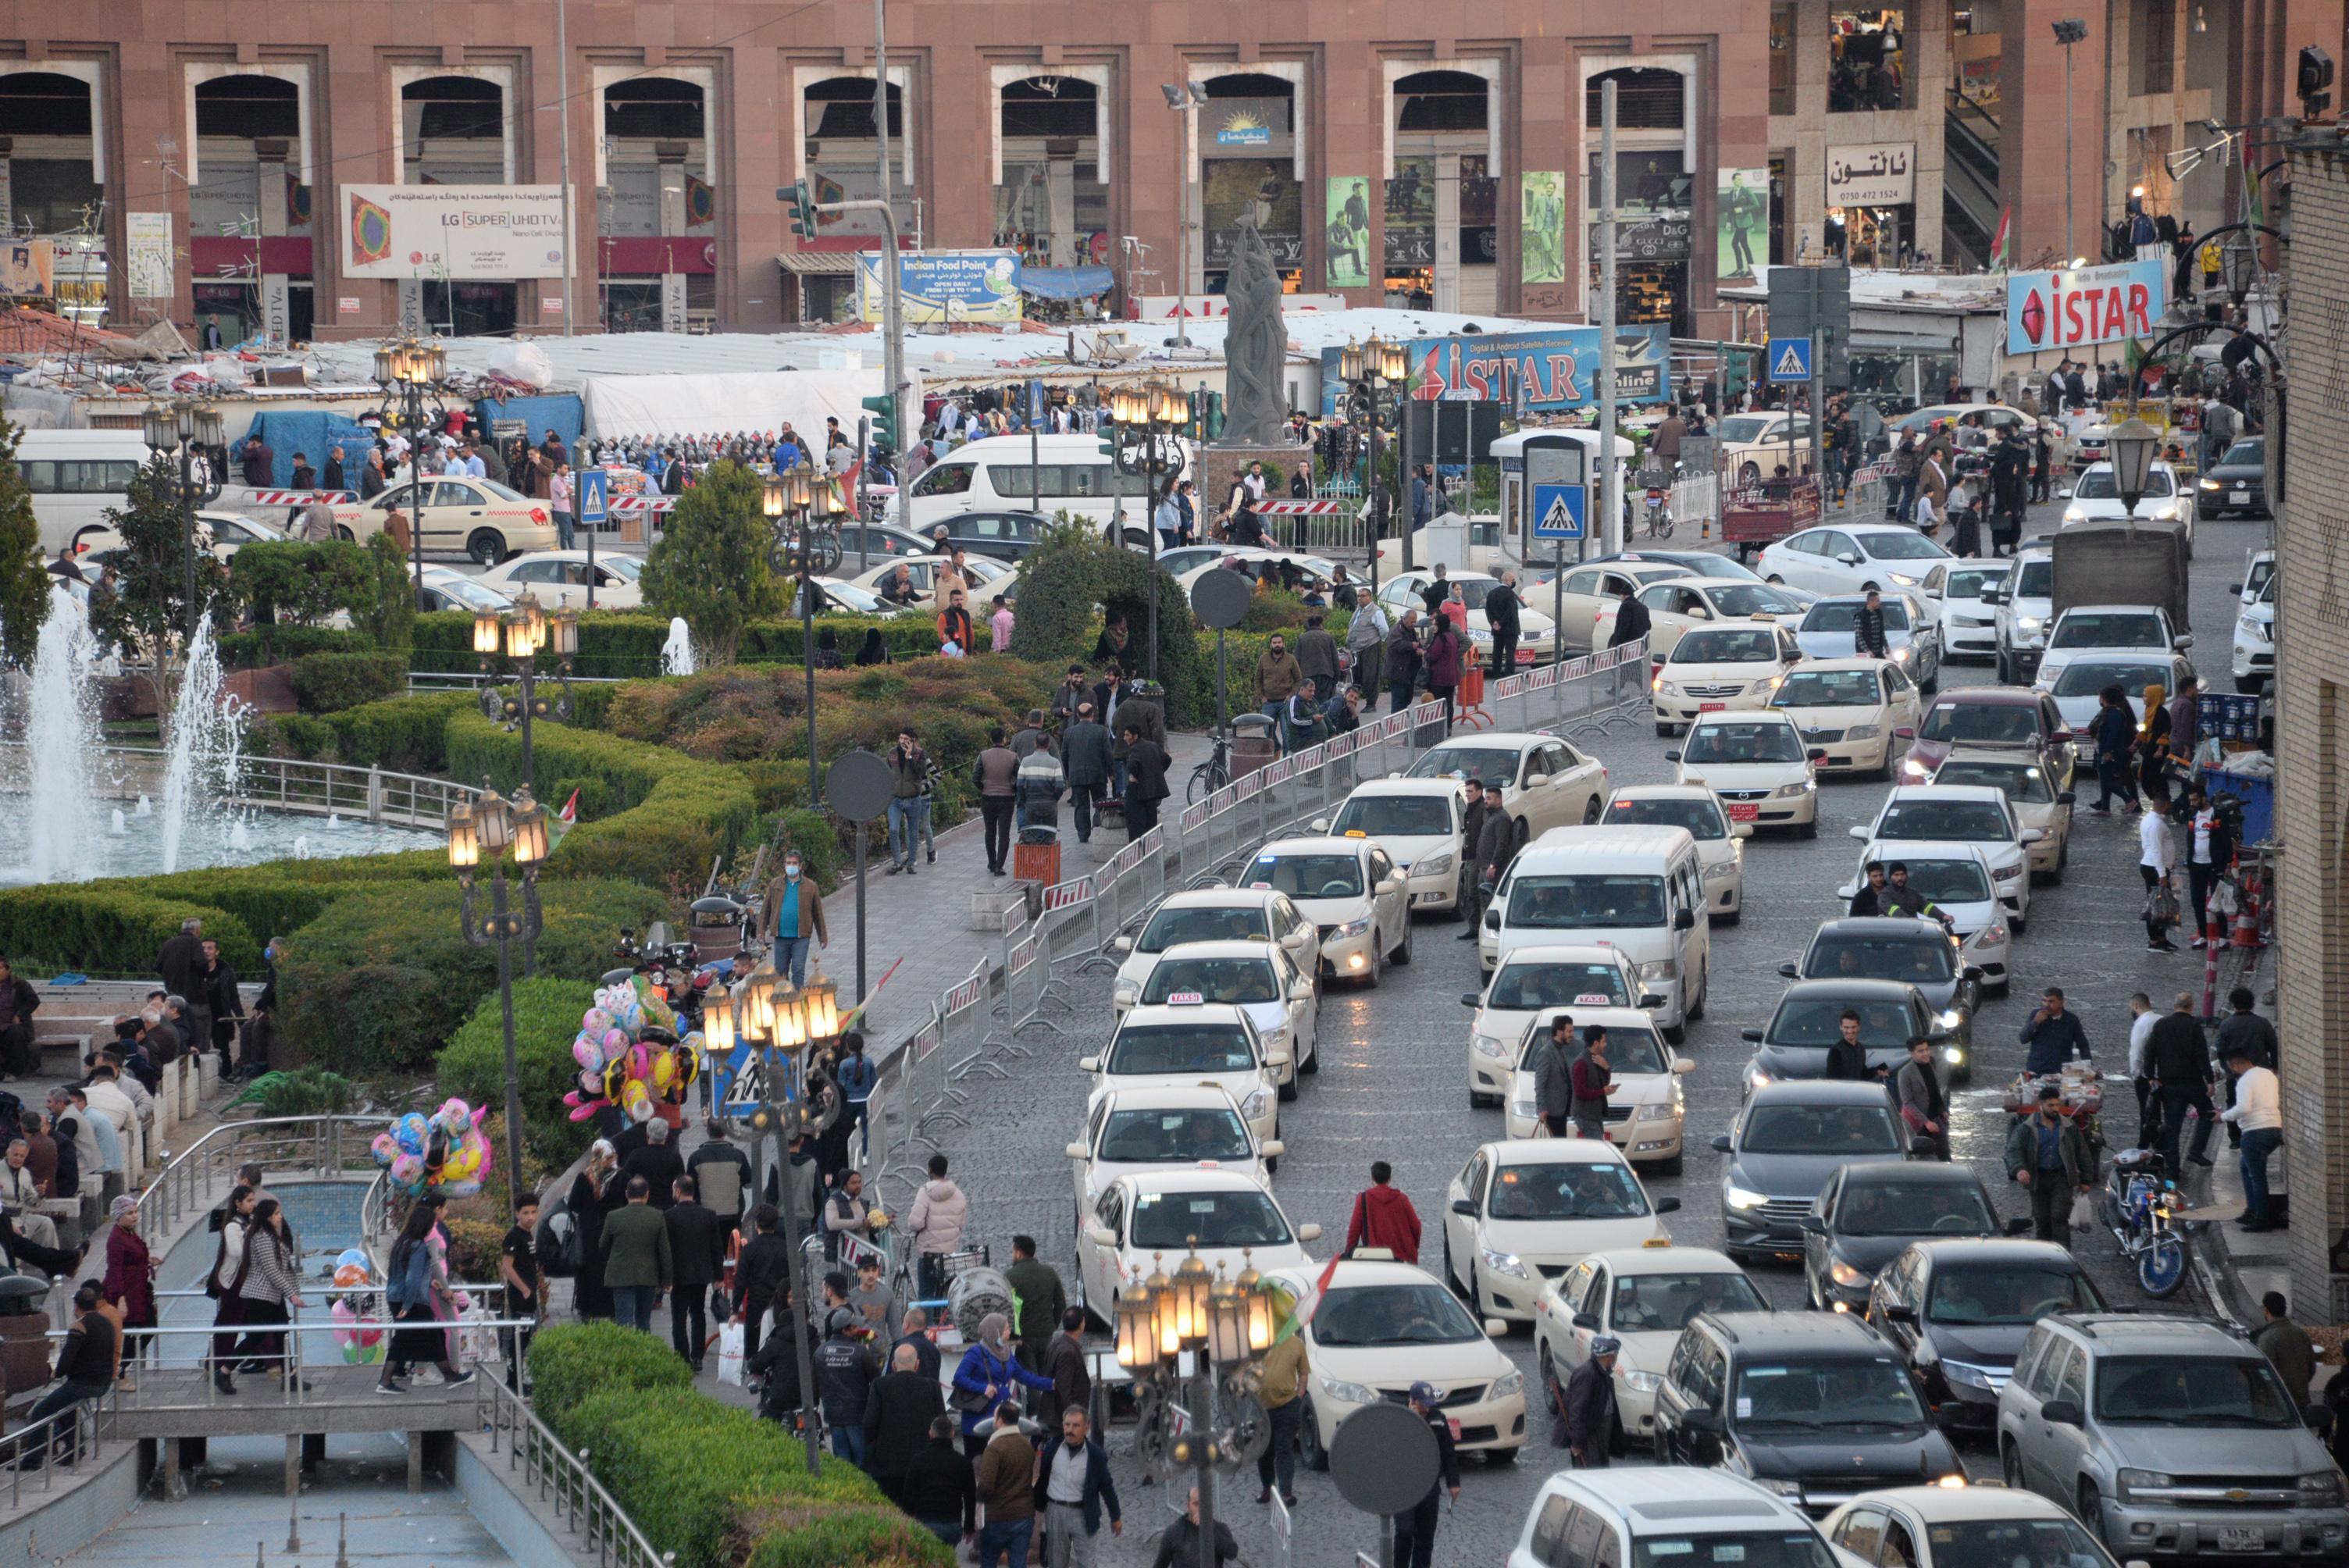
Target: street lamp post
(1157, 412)
(180, 426)
(2131, 445)
(1374, 375)
(522, 632)
(2068, 33)
(804, 493)
(407, 369)
(490, 826)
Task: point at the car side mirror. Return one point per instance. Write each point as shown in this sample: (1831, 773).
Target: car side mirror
(2019, 1227)
(1588, 1320)
(1972, 971)
(1849, 559)
(1276, 1058)
(1464, 1207)
(1101, 1235)
(1472, 998)
(1089, 1064)
(1273, 1148)
(1540, 781)
(1701, 1419)
(1905, 732)
(1859, 831)
(1993, 596)
(1721, 1145)
(2182, 641)
(1308, 1233)
(1075, 1151)
(1740, 829)
(2234, 588)
(2064, 797)
(2032, 835)
(1668, 1205)
(1121, 946)
(1752, 1037)
(1849, 890)
(1672, 757)
(2061, 1412)
(1496, 1329)
(1321, 824)
(1684, 921)
(1812, 1225)
(1492, 919)
(1302, 992)
(1790, 971)
(1900, 1314)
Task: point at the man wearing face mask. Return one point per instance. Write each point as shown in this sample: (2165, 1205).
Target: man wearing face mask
(794, 913)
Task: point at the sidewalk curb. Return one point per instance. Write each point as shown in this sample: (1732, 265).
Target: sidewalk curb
(2213, 1262)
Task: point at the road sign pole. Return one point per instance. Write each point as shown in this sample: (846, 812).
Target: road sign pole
(1611, 522)
(590, 532)
(1818, 405)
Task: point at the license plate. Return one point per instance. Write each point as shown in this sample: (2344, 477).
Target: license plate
(2241, 1538)
(1713, 707)
(1744, 811)
(1453, 1423)
(2238, 498)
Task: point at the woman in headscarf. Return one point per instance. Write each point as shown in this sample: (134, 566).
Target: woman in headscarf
(827, 649)
(2153, 750)
(874, 651)
(587, 1207)
(989, 1373)
(130, 1283)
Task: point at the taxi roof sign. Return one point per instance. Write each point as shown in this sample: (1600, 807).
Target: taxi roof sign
(1186, 999)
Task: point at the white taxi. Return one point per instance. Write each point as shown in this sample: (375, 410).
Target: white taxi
(1679, 605)
(1260, 978)
(1214, 914)
(1132, 1131)
(1641, 1298)
(2030, 795)
(1143, 1224)
(1545, 782)
(1719, 842)
(1757, 766)
(1646, 1106)
(922, 571)
(560, 577)
(1380, 1325)
(1193, 1043)
(480, 519)
(1418, 823)
(1961, 814)
(1536, 978)
(1526, 1211)
(1721, 669)
(1353, 894)
(1954, 878)
(1862, 712)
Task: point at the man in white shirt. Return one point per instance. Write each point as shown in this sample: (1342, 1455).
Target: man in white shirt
(20, 1196)
(2142, 1018)
(2257, 1111)
(106, 1098)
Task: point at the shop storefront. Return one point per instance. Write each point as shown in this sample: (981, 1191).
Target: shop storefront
(1248, 176)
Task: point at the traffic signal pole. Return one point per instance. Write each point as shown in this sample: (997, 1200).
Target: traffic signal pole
(894, 339)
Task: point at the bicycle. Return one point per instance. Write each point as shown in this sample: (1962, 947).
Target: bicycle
(1215, 773)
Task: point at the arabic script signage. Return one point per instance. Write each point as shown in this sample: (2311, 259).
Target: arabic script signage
(1872, 174)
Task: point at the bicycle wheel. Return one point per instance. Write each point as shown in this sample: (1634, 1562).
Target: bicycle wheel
(1205, 780)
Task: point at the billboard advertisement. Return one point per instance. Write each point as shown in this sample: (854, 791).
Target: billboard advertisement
(453, 231)
(1347, 209)
(944, 286)
(2079, 307)
(1872, 174)
(1553, 370)
(1258, 190)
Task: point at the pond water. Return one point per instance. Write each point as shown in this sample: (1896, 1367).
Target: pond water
(125, 840)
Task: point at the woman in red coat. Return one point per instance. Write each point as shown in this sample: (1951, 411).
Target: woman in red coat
(130, 1282)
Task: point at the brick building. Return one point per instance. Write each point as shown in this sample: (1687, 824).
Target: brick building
(1392, 154)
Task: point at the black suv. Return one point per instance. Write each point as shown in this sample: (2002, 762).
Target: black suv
(1867, 1214)
(1959, 1311)
(1818, 1409)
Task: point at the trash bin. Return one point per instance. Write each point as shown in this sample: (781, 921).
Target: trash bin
(1035, 857)
(1253, 744)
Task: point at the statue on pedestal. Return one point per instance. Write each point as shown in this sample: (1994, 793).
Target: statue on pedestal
(1255, 345)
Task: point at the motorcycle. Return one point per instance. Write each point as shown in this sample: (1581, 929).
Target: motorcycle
(2138, 1204)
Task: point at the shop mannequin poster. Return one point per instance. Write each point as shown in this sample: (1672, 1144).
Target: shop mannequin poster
(1743, 221)
(1348, 242)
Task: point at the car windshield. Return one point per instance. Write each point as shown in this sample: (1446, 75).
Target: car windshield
(1631, 1048)
(1700, 818)
(1961, 821)
(2248, 453)
(1159, 1137)
(1920, 960)
(2108, 629)
(1483, 762)
(1903, 545)
(1823, 1394)
(1983, 723)
(1843, 615)
(1565, 1191)
(1753, 598)
(1711, 565)
(1578, 901)
(2101, 484)
(1843, 1129)
(1873, 1205)
(1527, 987)
(1947, 882)
(1232, 981)
(1362, 1316)
(1743, 1548)
(1747, 741)
(2021, 781)
(628, 566)
(1818, 1021)
(1172, 925)
(1726, 646)
(1395, 816)
(1180, 1048)
(2008, 1295)
(1969, 582)
(2088, 679)
(1308, 876)
(471, 595)
(2192, 1391)
(2036, 579)
(1740, 427)
(1473, 588)
(1241, 1217)
(1663, 1303)
(502, 492)
(2016, 1544)
(1829, 688)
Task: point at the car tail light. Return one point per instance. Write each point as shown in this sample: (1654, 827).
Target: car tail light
(538, 514)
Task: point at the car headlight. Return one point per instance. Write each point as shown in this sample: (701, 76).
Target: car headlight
(1914, 768)
(1508, 1385)
(1666, 687)
(2074, 514)
(1968, 1374)
(2165, 514)
(1659, 969)
(2026, 623)
(2132, 1482)
(1720, 871)
(1523, 1109)
(1254, 1106)
(1781, 1488)
(1503, 1263)
(1949, 1018)
(1757, 1078)
(1354, 928)
(1739, 1198)
(1789, 792)
(2253, 628)
(1659, 1112)
(1993, 936)
(1843, 1273)
(1639, 1382)
(1952, 1055)
(2210, 484)
(1903, 578)
(1865, 731)
(2320, 1488)
(1348, 1393)
(1434, 865)
(1488, 1045)
(1901, 655)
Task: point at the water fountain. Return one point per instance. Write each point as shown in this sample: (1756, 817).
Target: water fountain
(122, 826)
(205, 736)
(146, 806)
(677, 654)
(60, 736)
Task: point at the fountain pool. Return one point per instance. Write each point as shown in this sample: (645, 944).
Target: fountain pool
(133, 843)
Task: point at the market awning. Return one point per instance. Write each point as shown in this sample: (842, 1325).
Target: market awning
(838, 264)
(1066, 283)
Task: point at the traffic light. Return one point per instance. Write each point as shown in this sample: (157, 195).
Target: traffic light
(802, 205)
(1211, 417)
(2315, 77)
(884, 409)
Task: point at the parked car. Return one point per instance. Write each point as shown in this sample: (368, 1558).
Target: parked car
(2237, 484)
(1535, 628)
(557, 577)
(1004, 535)
(2252, 656)
(1967, 621)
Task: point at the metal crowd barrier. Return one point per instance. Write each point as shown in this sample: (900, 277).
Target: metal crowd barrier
(535, 1457)
(77, 1428)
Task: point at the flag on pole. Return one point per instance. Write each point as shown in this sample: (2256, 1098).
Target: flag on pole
(2001, 248)
(2254, 209)
(570, 812)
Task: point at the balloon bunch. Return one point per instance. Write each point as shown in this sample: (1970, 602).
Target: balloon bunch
(629, 1054)
(357, 1312)
(444, 1154)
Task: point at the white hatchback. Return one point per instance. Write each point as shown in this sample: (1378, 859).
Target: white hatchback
(1535, 631)
(1352, 891)
(1528, 1210)
(1968, 622)
(2097, 498)
(1757, 765)
(1680, 606)
(1132, 1130)
(1721, 669)
(1645, 1102)
(1143, 1225)
(1163, 1047)
(1545, 782)
(1418, 823)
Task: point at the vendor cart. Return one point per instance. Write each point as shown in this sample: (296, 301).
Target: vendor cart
(1768, 510)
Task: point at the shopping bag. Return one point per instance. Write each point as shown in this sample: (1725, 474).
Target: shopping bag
(2083, 1212)
(730, 1354)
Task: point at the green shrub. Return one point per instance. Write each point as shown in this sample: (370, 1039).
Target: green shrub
(102, 928)
(330, 683)
(1072, 570)
(570, 1362)
(810, 833)
(398, 735)
(299, 581)
(791, 1533)
(625, 645)
(274, 645)
(546, 1018)
(594, 797)
(385, 609)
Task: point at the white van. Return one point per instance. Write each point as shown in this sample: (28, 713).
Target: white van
(1640, 890)
(1073, 475)
(76, 477)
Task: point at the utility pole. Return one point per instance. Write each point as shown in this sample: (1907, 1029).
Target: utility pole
(563, 135)
(1610, 529)
(893, 323)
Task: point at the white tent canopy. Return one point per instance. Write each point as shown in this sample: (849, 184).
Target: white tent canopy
(660, 406)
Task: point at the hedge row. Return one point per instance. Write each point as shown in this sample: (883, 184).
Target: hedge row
(714, 1484)
(615, 645)
(107, 929)
(546, 1016)
(400, 735)
(275, 644)
(327, 683)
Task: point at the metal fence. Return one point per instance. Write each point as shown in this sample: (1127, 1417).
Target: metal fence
(323, 789)
(536, 1458)
(324, 1147)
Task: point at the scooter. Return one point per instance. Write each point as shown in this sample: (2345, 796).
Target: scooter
(2139, 1203)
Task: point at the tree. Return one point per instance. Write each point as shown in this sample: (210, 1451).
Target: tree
(385, 606)
(1074, 580)
(709, 564)
(149, 612)
(300, 582)
(24, 581)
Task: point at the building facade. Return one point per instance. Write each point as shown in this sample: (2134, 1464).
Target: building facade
(235, 173)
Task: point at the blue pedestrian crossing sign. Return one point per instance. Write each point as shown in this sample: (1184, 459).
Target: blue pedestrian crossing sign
(1790, 359)
(594, 486)
(1558, 510)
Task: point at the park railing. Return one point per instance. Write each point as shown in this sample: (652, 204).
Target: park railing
(538, 1460)
(314, 788)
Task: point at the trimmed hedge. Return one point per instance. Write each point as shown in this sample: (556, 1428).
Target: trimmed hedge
(400, 735)
(546, 1017)
(625, 644)
(273, 645)
(105, 928)
(330, 683)
(573, 1362)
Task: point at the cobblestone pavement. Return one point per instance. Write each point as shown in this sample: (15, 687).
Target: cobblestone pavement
(1393, 1087)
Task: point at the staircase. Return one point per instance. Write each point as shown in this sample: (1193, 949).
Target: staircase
(1970, 189)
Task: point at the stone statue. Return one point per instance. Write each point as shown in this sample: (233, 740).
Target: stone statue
(1256, 347)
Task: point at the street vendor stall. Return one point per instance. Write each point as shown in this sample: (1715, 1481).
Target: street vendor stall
(1767, 510)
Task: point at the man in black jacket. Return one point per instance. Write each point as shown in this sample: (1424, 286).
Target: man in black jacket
(762, 1274)
(18, 1002)
(844, 1377)
(697, 1248)
(181, 963)
(220, 999)
(1087, 763)
(1867, 629)
(1847, 1057)
(657, 1162)
(1501, 605)
(1471, 823)
(2244, 1031)
(1869, 900)
(1317, 655)
(2180, 1061)
(1145, 781)
(1587, 1423)
(1414, 1527)
(898, 1410)
(1630, 618)
(1496, 845)
(939, 1490)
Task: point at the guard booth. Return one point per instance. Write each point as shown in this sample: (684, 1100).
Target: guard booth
(1545, 473)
